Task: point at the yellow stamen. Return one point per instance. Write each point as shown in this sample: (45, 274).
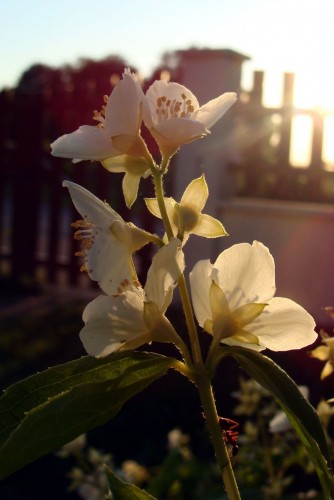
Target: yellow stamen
(166, 109)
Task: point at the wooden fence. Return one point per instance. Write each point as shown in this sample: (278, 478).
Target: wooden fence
(35, 211)
(36, 242)
(265, 139)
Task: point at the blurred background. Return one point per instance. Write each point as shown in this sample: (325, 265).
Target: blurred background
(269, 163)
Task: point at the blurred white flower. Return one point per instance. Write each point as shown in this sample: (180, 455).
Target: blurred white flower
(173, 116)
(325, 353)
(280, 422)
(325, 412)
(134, 472)
(176, 438)
(234, 301)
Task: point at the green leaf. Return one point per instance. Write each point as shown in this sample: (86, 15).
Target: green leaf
(300, 412)
(124, 491)
(40, 414)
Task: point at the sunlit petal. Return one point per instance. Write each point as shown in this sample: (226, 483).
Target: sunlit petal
(86, 143)
(284, 325)
(111, 321)
(107, 241)
(246, 274)
(90, 207)
(200, 283)
(233, 317)
(123, 109)
(172, 115)
(212, 111)
(166, 267)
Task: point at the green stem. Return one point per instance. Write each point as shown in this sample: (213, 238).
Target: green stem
(199, 374)
(185, 299)
(159, 193)
(190, 320)
(212, 420)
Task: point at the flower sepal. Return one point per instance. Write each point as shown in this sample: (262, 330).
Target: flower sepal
(186, 216)
(134, 169)
(160, 328)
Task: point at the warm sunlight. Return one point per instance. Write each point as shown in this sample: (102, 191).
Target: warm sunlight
(328, 143)
(314, 89)
(301, 140)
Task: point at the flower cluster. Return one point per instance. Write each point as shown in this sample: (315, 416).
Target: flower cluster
(233, 299)
(170, 112)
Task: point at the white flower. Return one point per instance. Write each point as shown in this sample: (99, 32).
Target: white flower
(234, 301)
(116, 140)
(172, 114)
(108, 242)
(118, 129)
(186, 217)
(136, 315)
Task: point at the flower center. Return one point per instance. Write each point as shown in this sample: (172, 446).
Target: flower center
(84, 234)
(166, 108)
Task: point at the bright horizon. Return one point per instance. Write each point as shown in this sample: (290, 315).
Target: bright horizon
(278, 37)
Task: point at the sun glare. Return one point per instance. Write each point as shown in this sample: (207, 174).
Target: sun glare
(328, 143)
(314, 90)
(301, 140)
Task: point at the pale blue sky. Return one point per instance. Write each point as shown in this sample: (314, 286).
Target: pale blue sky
(279, 36)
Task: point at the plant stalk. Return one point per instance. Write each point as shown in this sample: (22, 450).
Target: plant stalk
(212, 420)
(185, 299)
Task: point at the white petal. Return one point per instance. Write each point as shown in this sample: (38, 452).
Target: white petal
(212, 111)
(90, 207)
(200, 284)
(172, 91)
(166, 267)
(246, 273)
(86, 143)
(279, 423)
(111, 321)
(284, 325)
(123, 109)
(109, 262)
(177, 131)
